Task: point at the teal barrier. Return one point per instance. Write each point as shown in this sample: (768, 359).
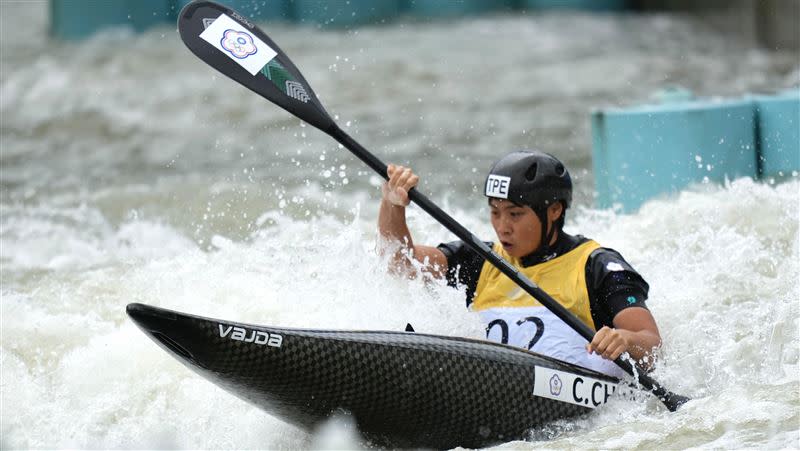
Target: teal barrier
(454, 8)
(339, 14)
(653, 150)
(779, 134)
(70, 19)
(587, 5)
(261, 10)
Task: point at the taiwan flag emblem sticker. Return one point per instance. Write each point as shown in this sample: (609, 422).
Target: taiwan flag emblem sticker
(233, 39)
(239, 43)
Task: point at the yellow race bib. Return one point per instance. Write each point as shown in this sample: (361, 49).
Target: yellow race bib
(563, 278)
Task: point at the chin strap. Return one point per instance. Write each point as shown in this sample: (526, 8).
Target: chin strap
(547, 235)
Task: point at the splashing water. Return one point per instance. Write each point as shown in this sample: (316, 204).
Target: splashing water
(132, 173)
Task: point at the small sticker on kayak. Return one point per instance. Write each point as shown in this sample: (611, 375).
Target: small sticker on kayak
(572, 388)
(240, 44)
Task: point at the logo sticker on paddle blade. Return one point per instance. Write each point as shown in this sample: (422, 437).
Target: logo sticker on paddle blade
(231, 38)
(278, 75)
(207, 22)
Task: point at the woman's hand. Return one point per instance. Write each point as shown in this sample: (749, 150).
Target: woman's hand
(401, 180)
(609, 343)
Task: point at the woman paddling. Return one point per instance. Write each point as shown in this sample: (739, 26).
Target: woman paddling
(529, 192)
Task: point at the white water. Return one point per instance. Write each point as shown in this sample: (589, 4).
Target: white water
(132, 173)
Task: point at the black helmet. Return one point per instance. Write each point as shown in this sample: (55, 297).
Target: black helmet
(530, 177)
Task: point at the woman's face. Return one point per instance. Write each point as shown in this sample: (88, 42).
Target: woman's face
(517, 227)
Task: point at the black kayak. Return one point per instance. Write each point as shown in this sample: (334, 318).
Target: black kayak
(403, 389)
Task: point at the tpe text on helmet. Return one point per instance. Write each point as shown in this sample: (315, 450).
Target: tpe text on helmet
(497, 186)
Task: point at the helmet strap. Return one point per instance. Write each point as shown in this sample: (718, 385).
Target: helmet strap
(547, 234)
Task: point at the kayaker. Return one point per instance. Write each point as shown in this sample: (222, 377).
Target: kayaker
(528, 190)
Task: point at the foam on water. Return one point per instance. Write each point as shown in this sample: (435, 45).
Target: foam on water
(89, 378)
(724, 290)
(132, 173)
(724, 273)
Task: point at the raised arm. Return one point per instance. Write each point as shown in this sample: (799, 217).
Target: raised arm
(393, 229)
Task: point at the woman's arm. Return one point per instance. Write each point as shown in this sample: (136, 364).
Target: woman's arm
(393, 228)
(635, 332)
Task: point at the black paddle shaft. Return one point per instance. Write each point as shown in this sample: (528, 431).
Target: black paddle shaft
(282, 83)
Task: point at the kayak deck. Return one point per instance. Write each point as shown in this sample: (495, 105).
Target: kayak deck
(402, 389)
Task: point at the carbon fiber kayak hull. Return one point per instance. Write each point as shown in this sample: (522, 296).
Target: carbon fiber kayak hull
(402, 389)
